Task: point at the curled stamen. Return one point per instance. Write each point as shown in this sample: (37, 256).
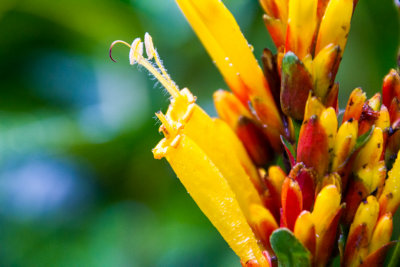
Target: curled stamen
(136, 56)
(114, 43)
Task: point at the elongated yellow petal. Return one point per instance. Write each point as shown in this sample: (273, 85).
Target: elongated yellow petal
(345, 142)
(221, 36)
(212, 193)
(301, 26)
(383, 120)
(367, 216)
(335, 24)
(371, 152)
(382, 233)
(325, 217)
(390, 197)
(326, 206)
(329, 122)
(367, 213)
(325, 66)
(221, 145)
(304, 230)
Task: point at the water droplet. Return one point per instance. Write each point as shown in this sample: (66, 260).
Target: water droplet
(251, 47)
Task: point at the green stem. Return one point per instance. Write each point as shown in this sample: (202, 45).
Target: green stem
(394, 261)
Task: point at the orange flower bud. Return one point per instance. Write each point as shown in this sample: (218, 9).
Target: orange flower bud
(354, 105)
(296, 86)
(291, 203)
(390, 87)
(231, 110)
(263, 222)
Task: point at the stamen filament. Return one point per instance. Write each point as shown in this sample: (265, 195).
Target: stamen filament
(136, 55)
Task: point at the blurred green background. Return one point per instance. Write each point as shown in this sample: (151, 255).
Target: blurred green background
(78, 182)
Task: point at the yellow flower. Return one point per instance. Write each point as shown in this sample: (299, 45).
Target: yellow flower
(331, 173)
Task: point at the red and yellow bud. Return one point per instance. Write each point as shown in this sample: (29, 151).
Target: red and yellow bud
(383, 120)
(361, 229)
(389, 200)
(313, 145)
(355, 105)
(263, 223)
(370, 114)
(292, 203)
(394, 112)
(274, 181)
(304, 230)
(391, 87)
(345, 141)
(296, 86)
(306, 180)
(325, 66)
(277, 29)
(232, 111)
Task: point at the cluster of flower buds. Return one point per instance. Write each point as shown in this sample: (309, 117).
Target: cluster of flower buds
(336, 188)
(310, 37)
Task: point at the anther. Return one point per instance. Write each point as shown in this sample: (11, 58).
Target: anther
(136, 52)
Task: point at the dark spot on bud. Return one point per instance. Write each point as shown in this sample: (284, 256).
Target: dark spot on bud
(364, 166)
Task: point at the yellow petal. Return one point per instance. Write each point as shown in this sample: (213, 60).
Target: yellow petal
(335, 24)
(382, 233)
(304, 230)
(313, 107)
(324, 69)
(221, 36)
(229, 108)
(212, 193)
(390, 197)
(383, 120)
(373, 176)
(367, 214)
(329, 121)
(326, 207)
(301, 26)
(371, 152)
(345, 142)
(221, 145)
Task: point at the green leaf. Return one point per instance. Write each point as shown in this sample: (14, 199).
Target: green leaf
(395, 259)
(363, 139)
(288, 249)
